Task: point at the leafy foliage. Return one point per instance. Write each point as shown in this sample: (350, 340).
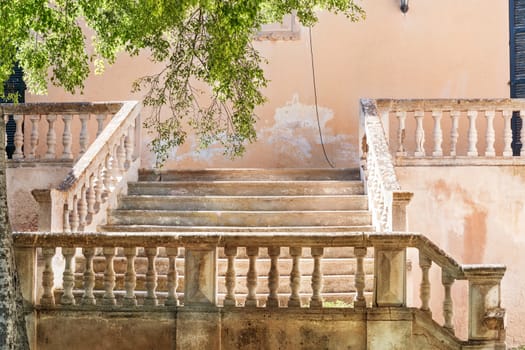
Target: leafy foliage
(200, 41)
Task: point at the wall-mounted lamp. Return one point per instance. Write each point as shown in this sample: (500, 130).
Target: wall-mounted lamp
(404, 6)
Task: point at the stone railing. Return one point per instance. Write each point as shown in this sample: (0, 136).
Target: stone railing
(102, 161)
(200, 255)
(386, 200)
(450, 130)
(55, 132)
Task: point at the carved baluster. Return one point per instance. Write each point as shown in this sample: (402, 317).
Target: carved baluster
(490, 152)
(151, 278)
(66, 137)
(114, 169)
(106, 176)
(99, 186)
(82, 209)
(19, 137)
(273, 277)
(295, 277)
(88, 298)
(35, 119)
(121, 156)
(68, 278)
(83, 137)
(73, 215)
(91, 198)
(447, 280)
(360, 253)
(401, 117)
(507, 133)
(424, 264)
(173, 277)
(100, 123)
(51, 138)
(130, 277)
(251, 277)
(420, 134)
(109, 277)
(522, 133)
(438, 133)
(48, 297)
(454, 116)
(231, 253)
(317, 278)
(128, 146)
(66, 227)
(472, 134)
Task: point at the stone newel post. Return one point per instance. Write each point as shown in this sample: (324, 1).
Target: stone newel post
(200, 281)
(400, 200)
(486, 317)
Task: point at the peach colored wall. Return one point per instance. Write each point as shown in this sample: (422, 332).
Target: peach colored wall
(445, 48)
(477, 215)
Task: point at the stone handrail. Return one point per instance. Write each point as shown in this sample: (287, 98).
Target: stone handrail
(461, 130)
(71, 135)
(386, 200)
(100, 175)
(200, 254)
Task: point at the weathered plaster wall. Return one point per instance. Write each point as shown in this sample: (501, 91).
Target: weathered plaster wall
(438, 49)
(477, 215)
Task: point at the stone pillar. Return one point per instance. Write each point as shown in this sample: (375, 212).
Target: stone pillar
(43, 197)
(389, 276)
(200, 276)
(26, 267)
(400, 200)
(486, 317)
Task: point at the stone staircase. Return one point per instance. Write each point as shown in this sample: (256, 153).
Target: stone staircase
(246, 200)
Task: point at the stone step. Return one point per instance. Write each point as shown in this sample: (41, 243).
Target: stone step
(330, 266)
(292, 174)
(240, 218)
(233, 229)
(246, 188)
(272, 203)
(331, 283)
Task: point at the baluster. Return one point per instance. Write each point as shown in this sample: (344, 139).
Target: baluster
(109, 277)
(48, 297)
(128, 146)
(88, 298)
(130, 277)
(99, 186)
(317, 278)
(472, 134)
(35, 119)
(231, 253)
(273, 277)
(121, 156)
(522, 133)
(491, 138)
(447, 281)
(91, 198)
(100, 123)
(251, 276)
(73, 216)
(424, 264)
(295, 277)
(19, 137)
(454, 116)
(360, 301)
(507, 133)
(68, 278)
(438, 134)
(66, 137)
(420, 134)
(66, 227)
(173, 277)
(106, 176)
(83, 137)
(401, 117)
(82, 209)
(51, 138)
(114, 170)
(151, 278)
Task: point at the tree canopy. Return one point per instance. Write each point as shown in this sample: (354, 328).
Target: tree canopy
(196, 40)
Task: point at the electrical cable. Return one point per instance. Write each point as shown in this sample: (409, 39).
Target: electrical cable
(315, 98)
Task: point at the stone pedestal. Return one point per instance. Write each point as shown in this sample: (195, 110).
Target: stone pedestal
(390, 277)
(200, 273)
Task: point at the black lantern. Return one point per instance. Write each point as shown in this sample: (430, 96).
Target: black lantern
(404, 6)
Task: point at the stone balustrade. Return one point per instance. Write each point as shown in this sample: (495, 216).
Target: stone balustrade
(55, 132)
(451, 129)
(197, 284)
(386, 200)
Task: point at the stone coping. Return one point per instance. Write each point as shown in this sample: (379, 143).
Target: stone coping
(60, 108)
